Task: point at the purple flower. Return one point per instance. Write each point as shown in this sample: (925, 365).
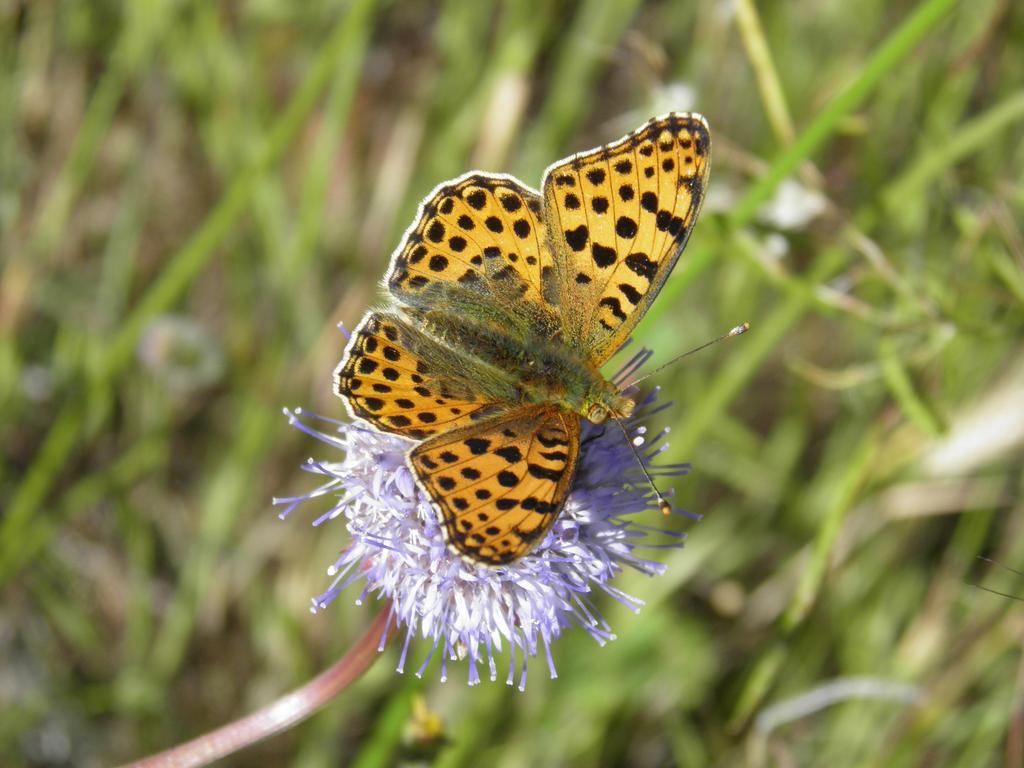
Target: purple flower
(397, 548)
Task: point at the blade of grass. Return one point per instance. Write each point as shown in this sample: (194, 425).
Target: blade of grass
(892, 51)
(896, 47)
(174, 279)
(843, 496)
(966, 139)
(902, 389)
(768, 84)
(144, 23)
(223, 501)
(764, 337)
(596, 28)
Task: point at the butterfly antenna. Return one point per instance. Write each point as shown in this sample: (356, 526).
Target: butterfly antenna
(990, 561)
(1005, 567)
(739, 330)
(663, 504)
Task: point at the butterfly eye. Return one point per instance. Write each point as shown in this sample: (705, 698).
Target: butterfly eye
(626, 407)
(597, 413)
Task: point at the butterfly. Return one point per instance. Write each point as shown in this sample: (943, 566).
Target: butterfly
(503, 303)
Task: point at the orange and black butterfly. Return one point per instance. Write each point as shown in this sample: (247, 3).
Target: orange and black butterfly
(503, 304)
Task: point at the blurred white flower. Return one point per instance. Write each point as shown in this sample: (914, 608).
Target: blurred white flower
(673, 97)
(181, 353)
(37, 383)
(776, 246)
(664, 98)
(794, 206)
(721, 197)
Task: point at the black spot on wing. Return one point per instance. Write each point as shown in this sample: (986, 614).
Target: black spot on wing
(577, 238)
(477, 445)
(508, 479)
(510, 453)
(511, 203)
(551, 442)
(603, 256)
(625, 227)
(614, 305)
(435, 232)
(554, 455)
(544, 473)
(641, 265)
(631, 293)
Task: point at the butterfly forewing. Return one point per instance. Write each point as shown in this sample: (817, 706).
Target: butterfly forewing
(618, 217)
(499, 485)
(481, 233)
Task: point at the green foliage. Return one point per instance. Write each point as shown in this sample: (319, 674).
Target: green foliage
(191, 196)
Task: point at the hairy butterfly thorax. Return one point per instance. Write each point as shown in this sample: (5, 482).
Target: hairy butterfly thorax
(504, 304)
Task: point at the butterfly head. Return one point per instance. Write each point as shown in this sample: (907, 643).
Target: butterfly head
(610, 404)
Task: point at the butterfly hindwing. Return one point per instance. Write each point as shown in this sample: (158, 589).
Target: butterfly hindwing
(618, 217)
(403, 381)
(499, 485)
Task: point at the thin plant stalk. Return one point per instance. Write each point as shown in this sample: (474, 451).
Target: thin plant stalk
(282, 714)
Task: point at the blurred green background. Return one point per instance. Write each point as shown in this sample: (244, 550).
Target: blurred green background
(192, 194)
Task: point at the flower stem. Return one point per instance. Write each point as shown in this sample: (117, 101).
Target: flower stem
(281, 714)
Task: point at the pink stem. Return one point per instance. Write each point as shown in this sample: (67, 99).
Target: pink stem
(281, 714)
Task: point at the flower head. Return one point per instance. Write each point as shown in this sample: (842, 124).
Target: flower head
(463, 610)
